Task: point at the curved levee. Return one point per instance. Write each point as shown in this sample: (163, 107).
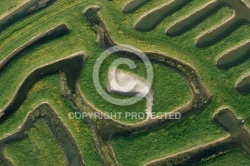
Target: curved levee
(133, 5)
(241, 17)
(243, 86)
(71, 66)
(150, 21)
(219, 33)
(57, 127)
(194, 155)
(238, 137)
(42, 38)
(194, 19)
(201, 96)
(23, 10)
(234, 57)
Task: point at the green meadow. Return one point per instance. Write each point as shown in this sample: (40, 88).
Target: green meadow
(171, 90)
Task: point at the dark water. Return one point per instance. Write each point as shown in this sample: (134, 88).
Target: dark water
(244, 85)
(133, 5)
(234, 57)
(151, 20)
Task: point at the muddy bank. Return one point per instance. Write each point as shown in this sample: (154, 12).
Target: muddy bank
(151, 20)
(133, 5)
(240, 18)
(51, 34)
(221, 32)
(235, 126)
(23, 10)
(234, 57)
(70, 66)
(243, 86)
(193, 20)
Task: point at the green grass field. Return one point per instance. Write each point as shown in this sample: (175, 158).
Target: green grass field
(170, 88)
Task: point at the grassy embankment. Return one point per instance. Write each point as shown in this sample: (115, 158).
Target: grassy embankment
(220, 83)
(6, 6)
(82, 38)
(77, 41)
(49, 90)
